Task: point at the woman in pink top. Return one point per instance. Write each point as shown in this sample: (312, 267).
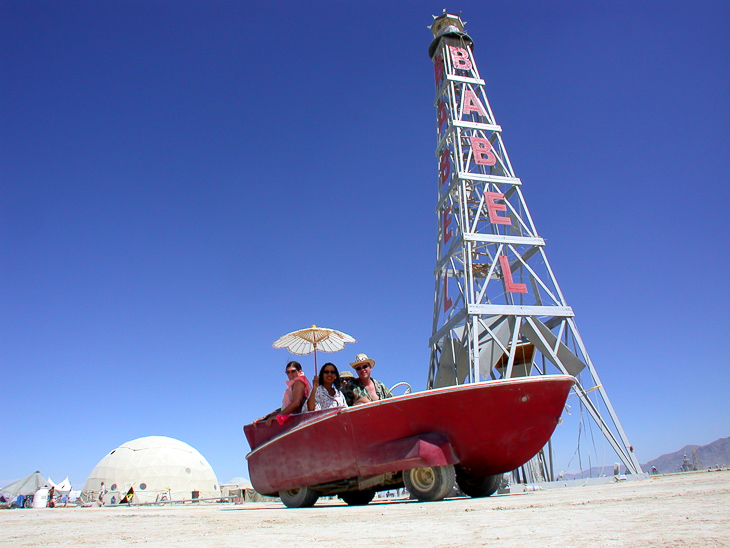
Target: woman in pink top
(295, 396)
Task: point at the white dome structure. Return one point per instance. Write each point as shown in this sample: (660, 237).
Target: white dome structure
(157, 468)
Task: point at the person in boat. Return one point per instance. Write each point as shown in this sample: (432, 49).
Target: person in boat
(345, 378)
(326, 389)
(295, 396)
(364, 389)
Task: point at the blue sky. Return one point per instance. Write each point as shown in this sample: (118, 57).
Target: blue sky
(184, 182)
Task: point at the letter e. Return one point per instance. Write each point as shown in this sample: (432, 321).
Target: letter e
(493, 208)
(447, 222)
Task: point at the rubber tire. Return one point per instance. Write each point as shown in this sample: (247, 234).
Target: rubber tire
(357, 498)
(477, 487)
(430, 483)
(303, 497)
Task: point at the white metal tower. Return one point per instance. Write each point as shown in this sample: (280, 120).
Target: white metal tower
(498, 310)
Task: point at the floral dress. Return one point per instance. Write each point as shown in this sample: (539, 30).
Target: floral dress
(323, 400)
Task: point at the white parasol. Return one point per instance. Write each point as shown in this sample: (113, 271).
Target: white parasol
(306, 341)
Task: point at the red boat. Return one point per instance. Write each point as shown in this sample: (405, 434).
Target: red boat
(471, 433)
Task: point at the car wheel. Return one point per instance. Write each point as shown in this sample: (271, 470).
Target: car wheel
(476, 487)
(302, 497)
(430, 483)
(357, 498)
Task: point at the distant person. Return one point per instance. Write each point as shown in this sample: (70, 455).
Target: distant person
(326, 392)
(102, 492)
(295, 396)
(51, 503)
(364, 389)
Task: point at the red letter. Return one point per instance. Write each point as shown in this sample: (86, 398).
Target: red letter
(493, 208)
(442, 118)
(447, 222)
(444, 166)
(471, 103)
(447, 301)
(483, 154)
(460, 58)
(509, 283)
(438, 67)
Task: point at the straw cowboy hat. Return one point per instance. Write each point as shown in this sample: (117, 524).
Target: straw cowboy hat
(361, 359)
(346, 375)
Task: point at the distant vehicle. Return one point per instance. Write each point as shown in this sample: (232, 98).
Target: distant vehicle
(471, 434)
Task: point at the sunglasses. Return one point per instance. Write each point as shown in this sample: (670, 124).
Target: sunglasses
(360, 367)
(329, 372)
(291, 371)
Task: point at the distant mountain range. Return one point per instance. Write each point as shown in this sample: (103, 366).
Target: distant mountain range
(711, 455)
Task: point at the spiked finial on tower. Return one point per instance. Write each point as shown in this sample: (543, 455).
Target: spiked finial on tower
(447, 24)
(443, 23)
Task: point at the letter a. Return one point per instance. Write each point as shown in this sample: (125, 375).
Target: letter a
(471, 103)
(442, 116)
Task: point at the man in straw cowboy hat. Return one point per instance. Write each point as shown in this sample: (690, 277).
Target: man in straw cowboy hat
(364, 389)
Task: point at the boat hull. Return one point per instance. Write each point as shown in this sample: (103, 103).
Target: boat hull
(486, 428)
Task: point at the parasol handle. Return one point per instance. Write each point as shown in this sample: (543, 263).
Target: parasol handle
(315, 359)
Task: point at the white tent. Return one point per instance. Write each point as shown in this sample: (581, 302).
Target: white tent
(156, 468)
(240, 483)
(62, 488)
(28, 485)
(25, 486)
(242, 488)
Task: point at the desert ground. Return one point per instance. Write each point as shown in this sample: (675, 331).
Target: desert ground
(691, 509)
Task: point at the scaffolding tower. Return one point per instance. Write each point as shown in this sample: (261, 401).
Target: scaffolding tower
(498, 310)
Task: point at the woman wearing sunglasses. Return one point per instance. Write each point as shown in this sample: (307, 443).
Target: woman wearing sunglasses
(295, 396)
(326, 389)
